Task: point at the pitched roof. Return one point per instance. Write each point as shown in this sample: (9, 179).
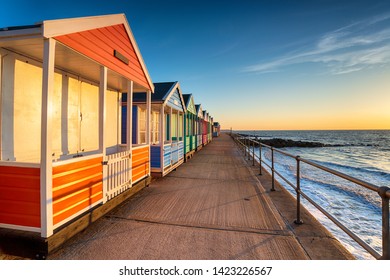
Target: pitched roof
(161, 91)
(187, 98)
(197, 107)
(27, 40)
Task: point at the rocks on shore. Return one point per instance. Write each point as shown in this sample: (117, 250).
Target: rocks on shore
(284, 143)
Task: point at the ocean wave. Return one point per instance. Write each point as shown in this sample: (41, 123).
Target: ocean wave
(312, 176)
(357, 194)
(362, 170)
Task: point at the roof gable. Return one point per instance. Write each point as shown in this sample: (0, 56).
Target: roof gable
(106, 39)
(174, 98)
(199, 110)
(167, 93)
(189, 103)
(84, 44)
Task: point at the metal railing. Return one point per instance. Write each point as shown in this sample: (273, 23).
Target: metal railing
(247, 144)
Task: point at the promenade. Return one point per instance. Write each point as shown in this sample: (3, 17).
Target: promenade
(215, 206)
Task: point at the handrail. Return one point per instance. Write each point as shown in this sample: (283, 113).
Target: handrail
(384, 192)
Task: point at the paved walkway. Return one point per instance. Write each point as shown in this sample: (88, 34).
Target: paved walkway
(212, 207)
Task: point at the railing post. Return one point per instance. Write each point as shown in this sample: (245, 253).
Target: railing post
(244, 147)
(298, 221)
(385, 223)
(273, 170)
(260, 159)
(253, 152)
(249, 149)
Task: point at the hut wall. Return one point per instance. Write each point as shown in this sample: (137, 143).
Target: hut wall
(20, 196)
(140, 163)
(155, 156)
(77, 186)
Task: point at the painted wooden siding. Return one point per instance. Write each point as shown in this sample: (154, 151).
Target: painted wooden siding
(167, 155)
(175, 153)
(187, 144)
(191, 106)
(155, 156)
(76, 187)
(140, 163)
(20, 196)
(204, 139)
(199, 140)
(180, 148)
(99, 44)
(193, 142)
(175, 101)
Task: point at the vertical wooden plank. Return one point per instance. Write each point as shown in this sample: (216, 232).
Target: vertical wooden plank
(148, 113)
(102, 108)
(1, 105)
(129, 125)
(129, 139)
(170, 125)
(162, 136)
(118, 120)
(7, 107)
(64, 113)
(102, 124)
(46, 173)
(148, 118)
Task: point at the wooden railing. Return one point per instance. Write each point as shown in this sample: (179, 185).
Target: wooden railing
(118, 173)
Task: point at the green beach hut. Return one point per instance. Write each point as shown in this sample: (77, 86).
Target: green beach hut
(189, 126)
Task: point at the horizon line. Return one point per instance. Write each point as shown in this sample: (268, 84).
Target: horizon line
(343, 129)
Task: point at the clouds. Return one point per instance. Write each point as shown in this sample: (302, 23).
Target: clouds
(348, 49)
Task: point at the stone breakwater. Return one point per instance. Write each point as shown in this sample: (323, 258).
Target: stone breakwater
(287, 143)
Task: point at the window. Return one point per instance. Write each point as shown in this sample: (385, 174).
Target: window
(174, 127)
(155, 127)
(141, 126)
(180, 128)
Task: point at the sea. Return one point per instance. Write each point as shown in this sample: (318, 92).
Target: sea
(363, 154)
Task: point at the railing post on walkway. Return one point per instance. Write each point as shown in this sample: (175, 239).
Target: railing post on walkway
(244, 147)
(253, 152)
(249, 148)
(298, 221)
(385, 223)
(273, 170)
(260, 159)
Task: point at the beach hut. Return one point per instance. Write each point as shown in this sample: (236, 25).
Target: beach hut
(216, 129)
(199, 124)
(62, 153)
(210, 128)
(167, 126)
(190, 126)
(205, 132)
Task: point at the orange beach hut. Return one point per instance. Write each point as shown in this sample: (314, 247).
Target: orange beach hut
(61, 119)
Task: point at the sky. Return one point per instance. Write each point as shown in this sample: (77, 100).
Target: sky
(256, 65)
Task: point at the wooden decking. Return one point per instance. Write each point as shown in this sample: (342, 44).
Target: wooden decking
(212, 207)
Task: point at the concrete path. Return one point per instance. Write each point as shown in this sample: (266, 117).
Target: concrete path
(212, 207)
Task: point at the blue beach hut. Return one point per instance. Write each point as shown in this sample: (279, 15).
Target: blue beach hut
(167, 126)
(216, 129)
